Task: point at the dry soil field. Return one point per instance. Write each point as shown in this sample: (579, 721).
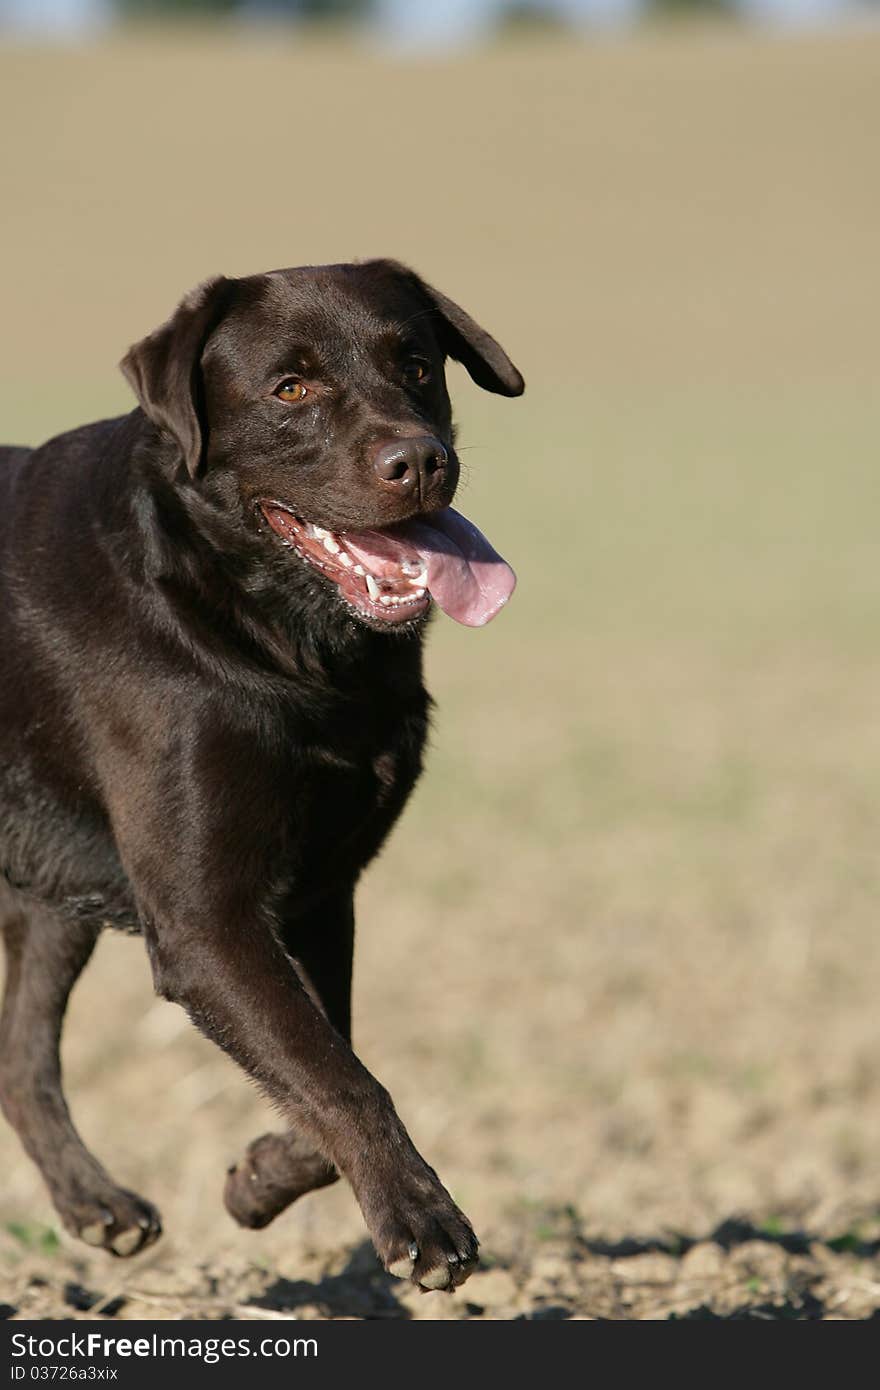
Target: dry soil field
(620, 964)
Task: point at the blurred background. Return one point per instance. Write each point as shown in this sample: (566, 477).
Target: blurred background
(619, 966)
(412, 25)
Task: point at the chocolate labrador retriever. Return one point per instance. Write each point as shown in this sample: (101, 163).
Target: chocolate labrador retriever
(212, 713)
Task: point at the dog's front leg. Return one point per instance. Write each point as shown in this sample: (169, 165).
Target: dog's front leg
(277, 1169)
(241, 989)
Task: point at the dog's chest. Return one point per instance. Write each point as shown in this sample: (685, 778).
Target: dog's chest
(302, 807)
(343, 802)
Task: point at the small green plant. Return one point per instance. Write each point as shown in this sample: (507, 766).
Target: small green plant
(846, 1244)
(773, 1226)
(34, 1236)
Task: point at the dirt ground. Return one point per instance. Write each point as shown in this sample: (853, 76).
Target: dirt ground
(619, 966)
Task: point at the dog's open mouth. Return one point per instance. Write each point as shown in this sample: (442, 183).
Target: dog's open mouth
(392, 575)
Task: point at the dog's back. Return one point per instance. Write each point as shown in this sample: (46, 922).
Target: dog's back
(10, 454)
(12, 458)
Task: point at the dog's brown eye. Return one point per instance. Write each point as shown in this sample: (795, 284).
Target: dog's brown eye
(291, 391)
(416, 373)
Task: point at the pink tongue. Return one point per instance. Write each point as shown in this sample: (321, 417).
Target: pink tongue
(466, 577)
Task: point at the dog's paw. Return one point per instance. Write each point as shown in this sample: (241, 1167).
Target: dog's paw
(420, 1234)
(117, 1221)
(276, 1169)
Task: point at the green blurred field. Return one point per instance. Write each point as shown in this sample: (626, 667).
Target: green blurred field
(633, 910)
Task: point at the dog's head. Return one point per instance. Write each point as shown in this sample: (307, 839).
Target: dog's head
(313, 403)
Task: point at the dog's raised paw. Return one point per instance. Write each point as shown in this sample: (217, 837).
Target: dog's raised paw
(276, 1169)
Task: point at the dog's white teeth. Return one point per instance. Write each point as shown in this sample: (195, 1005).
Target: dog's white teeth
(372, 587)
(401, 600)
(319, 533)
(419, 579)
(411, 568)
(331, 544)
(345, 559)
(359, 569)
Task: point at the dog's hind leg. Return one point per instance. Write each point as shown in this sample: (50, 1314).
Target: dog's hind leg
(44, 957)
(278, 1168)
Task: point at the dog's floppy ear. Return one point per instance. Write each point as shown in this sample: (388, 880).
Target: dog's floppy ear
(463, 338)
(164, 368)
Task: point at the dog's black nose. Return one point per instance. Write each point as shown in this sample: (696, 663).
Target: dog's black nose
(410, 465)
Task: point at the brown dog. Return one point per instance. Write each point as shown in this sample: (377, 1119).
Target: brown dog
(212, 713)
